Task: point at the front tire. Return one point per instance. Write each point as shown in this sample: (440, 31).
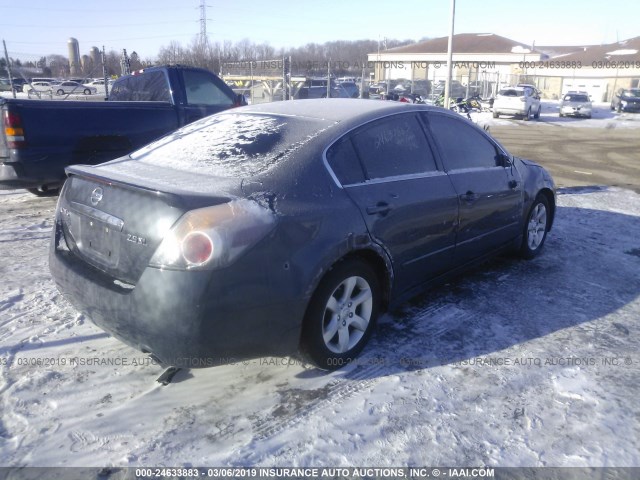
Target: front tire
(341, 315)
(536, 228)
(495, 114)
(87, 91)
(60, 92)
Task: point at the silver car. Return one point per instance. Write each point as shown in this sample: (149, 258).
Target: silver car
(73, 87)
(575, 104)
(518, 101)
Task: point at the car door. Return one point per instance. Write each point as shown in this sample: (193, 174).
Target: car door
(406, 200)
(489, 193)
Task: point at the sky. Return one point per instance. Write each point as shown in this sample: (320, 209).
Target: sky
(42, 27)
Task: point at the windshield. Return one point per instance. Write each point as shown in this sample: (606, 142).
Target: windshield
(632, 92)
(231, 145)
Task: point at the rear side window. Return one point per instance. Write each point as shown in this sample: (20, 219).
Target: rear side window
(146, 87)
(201, 89)
(461, 145)
(344, 162)
(394, 146)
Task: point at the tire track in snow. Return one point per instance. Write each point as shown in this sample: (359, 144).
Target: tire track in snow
(297, 405)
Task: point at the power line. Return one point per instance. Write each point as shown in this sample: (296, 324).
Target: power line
(66, 27)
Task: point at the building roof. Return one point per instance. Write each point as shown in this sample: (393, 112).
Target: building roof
(626, 51)
(488, 43)
(559, 50)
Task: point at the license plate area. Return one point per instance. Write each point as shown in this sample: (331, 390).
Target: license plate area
(97, 234)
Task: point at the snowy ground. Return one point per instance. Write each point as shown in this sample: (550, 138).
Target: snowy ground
(516, 364)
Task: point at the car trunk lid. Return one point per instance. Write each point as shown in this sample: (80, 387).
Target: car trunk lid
(114, 220)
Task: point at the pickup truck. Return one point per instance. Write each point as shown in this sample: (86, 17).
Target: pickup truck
(40, 138)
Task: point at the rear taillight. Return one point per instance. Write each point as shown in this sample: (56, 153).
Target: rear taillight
(213, 237)
(13, 129)
(197, 248)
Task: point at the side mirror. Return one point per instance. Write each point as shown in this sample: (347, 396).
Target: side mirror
(504, 160)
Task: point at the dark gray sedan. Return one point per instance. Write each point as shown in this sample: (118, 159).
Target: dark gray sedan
(288, 226)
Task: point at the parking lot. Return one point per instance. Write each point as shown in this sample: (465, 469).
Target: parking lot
(515, 364)
(600, 151)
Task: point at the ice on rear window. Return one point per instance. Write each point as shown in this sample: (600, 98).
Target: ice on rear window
(231, 145)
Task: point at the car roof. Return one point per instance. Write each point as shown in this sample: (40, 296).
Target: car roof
(342, 114)
(334, 109)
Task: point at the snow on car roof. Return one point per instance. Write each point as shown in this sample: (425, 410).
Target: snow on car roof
(335, 109)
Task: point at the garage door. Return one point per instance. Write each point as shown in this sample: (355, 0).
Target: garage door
(596, 87)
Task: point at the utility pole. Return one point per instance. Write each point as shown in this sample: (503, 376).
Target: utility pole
(447, 85)
(329, 78)
(104, 74)
(6, 57)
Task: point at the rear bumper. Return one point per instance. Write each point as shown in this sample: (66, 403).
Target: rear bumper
(571, 111)
(510, 110)
(186, 319)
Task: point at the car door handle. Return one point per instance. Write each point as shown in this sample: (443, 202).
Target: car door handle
(513, 184)
(381, 208)
(469, 197)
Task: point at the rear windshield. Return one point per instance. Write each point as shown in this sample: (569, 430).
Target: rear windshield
(231, 145)
(576, 98)
(511, 92)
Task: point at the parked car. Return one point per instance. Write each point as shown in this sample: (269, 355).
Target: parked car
(288, 225)
(320, 92)
(36, 87)
(5, 85)
(575, 104)
(351, 89)
(457, 90)
(68, 86)
(18, 84)
(518, 101)
(95, 83)
(626, 100)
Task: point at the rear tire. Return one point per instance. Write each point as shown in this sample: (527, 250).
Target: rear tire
(87, 91)
(50, 192)
(537, 114)
(341, 315)
(527, 116)
(535, 228)
(60, 92)
(495, 114)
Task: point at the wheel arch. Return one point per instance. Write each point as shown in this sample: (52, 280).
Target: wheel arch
(378, 260)
(373, 255)
(551, 198)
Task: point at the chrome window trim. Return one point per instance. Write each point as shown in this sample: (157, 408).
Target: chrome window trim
(398, 178)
